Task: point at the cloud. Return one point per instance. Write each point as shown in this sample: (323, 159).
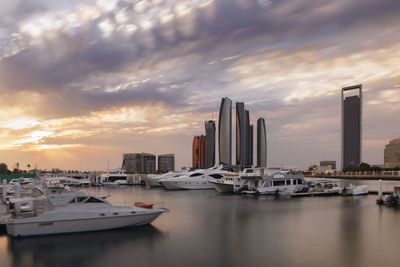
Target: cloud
(96, 71)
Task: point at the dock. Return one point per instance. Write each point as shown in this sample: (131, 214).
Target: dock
(315, 194)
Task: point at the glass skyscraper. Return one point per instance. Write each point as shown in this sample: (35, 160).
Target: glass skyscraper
(210, 143)
(351, 127)
(225, 132)
(261, 143)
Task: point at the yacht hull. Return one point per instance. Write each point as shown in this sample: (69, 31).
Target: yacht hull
(221, 187)
(185, 185)
(152, 183)
(34, 227)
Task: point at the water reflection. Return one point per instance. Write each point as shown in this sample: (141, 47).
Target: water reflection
(85, 249)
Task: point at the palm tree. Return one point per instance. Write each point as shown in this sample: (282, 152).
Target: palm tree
(29, 167)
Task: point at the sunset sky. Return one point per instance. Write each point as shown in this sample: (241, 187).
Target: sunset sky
(82, 82)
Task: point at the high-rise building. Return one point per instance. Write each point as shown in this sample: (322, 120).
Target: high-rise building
(225, 132)
(261, 143)
(249, 142)
(392, 154)
(210, 143)
(241, 132)
(198, 152)
(139, 163)
(351, 126)
(166, 163)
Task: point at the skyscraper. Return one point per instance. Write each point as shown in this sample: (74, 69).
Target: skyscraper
(351, 127)
(198, 149)
(250, 146)
(244, 137)
(261, 143)
(225, 132)
(241, 132)
(210, 144)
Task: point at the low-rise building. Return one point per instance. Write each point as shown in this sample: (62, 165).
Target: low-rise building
(392, 154)
(166, 163)
(139, 163)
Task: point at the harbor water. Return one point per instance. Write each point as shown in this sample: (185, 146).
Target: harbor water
(205, 228)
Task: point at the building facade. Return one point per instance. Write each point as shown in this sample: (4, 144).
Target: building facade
(209, 144)
(225, 132)
(392, 154)
(261, 143)
(139, 163)
(198, 152)
(244, 137)
(166, 163)
(241, 134)
(351, 127)
(327, 165)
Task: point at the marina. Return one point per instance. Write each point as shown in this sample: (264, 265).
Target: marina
(242, 232)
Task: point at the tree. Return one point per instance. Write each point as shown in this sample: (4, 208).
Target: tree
(29, 167)
(4, 168)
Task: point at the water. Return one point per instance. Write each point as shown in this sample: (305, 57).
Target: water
(204, 228)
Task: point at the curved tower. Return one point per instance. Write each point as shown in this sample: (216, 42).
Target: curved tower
(225, 132)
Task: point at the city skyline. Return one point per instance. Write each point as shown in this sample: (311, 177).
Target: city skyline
(83, 83)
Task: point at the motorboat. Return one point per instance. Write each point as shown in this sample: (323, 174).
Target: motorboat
(324, 186)
(153, 180)
(121, 182)
(282, 183)
(224, 181)
(354, 190)
(71, 212)
(191, 180)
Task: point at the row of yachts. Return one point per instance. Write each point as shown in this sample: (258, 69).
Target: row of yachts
(39, 207)
(257, 181)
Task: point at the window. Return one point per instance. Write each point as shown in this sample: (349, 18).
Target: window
(216, 176)
(80, 199)
(287, 182)
(94, 200)
(195, 174)
(299, 181)
(279, 183)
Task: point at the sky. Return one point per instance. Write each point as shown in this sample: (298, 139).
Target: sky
(82, 82)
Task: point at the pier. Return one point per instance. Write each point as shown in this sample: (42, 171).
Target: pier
(384, 176)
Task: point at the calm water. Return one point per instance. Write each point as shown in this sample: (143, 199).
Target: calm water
(204, 228)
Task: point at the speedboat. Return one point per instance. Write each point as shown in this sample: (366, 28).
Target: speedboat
(354, 190)
(282, 183)
(71, 212)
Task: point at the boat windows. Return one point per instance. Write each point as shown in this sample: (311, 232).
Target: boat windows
(294, 181)
(196, 174)
(81, 199)
(216, 176)
(94, 200)
(299, 181)
(278, 183)
(288, 182)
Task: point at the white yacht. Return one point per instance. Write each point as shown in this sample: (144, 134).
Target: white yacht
(154, 180)
(225, 181)
(325, 186)
(70, 212)
(282, 183)
(192, 180)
